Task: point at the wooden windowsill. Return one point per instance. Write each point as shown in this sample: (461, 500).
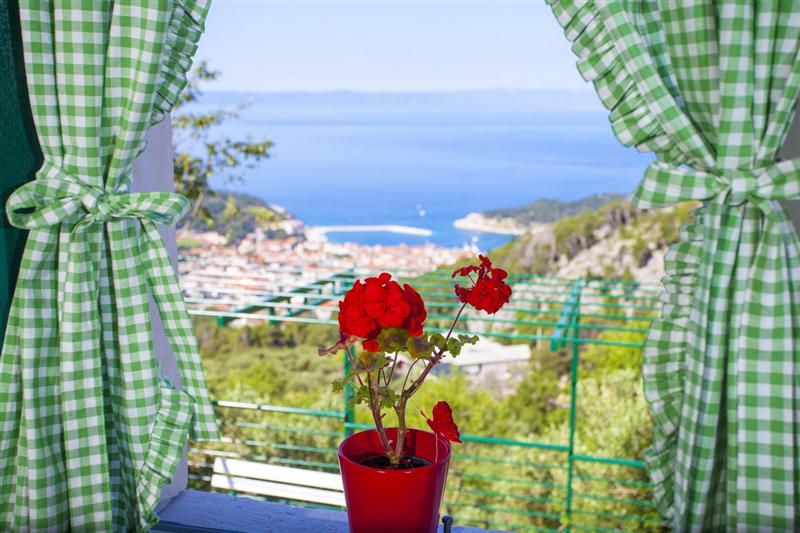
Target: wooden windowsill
(214, 512)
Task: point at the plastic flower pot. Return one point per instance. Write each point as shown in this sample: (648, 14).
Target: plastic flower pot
(393, 501)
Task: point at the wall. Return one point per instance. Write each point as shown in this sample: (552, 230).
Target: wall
(152, 171)
(791, 148)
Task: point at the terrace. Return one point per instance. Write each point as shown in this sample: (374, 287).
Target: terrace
(496, 483)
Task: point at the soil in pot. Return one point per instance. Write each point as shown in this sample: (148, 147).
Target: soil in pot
(407, 462)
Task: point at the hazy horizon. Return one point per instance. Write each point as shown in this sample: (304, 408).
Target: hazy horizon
(552, 100)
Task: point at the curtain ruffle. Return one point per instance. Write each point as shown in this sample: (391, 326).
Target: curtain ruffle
(167, 440)
(639, 119)
(663, 369)
(186, 25)
(599, 63)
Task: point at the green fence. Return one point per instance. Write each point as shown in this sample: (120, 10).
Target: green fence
(494, 483)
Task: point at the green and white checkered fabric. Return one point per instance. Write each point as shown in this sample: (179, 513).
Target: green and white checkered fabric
(711, 88)
(89, 428)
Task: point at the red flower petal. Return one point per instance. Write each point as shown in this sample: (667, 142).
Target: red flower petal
(443, 424)
(499, 273)
(465, 271)
(417, 314)
(371, 345)
(462, 293)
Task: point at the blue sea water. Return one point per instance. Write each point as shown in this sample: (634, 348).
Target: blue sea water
(353, 159)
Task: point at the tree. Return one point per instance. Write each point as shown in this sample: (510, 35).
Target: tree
(262, 215)
(200, 155)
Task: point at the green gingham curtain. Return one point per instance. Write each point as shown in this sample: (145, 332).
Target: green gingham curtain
(90, 428)
(711, 87)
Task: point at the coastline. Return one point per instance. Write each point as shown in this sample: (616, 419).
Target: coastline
(480, 222)
(388, 228)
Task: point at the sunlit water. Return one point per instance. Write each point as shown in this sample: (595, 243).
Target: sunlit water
(424, 160)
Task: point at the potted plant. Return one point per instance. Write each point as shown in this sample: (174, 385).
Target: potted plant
(394, 477)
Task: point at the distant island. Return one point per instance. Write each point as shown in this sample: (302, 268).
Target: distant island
(531, 217)
(548, 210)
(481, 222)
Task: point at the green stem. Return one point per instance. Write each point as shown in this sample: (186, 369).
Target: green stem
(433, 360)
(375, 407)
(401, 428)
(391, 373)
(406, 394)
(410, 368)
(353, 365)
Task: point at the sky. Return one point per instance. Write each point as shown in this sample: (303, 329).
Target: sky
(387, 45)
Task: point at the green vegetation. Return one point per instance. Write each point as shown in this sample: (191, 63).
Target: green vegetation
(547, 210)
(539, 253)
(279, 365)
(661, 224)
(235, 215)
(188, 243)
(200, 154)
(265, 364)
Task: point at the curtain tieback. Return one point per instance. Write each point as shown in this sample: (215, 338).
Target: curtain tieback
(60, 197)
(665, 184)
(57, 197)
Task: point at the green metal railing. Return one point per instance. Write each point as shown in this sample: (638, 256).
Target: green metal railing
(520, 485)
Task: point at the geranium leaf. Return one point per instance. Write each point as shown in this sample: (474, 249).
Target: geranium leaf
(437, 339)
(453, 346)
(389, 396)
(393, 340)
(419, 347)
(467, 339)
(361, 396)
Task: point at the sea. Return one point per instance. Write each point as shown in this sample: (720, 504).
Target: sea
(423, 159)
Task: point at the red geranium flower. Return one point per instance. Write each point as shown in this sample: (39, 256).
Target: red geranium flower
(371, 345)
(489, 291)
(417, 313)
(442, 423)
(353, 316)
(378, 303)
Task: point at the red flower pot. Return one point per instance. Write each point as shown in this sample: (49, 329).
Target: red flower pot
(393, 501)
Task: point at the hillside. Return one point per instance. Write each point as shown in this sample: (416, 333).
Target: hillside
(234, 215)
(615, 240)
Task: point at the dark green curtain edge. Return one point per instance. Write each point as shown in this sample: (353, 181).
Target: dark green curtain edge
(19, 148)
